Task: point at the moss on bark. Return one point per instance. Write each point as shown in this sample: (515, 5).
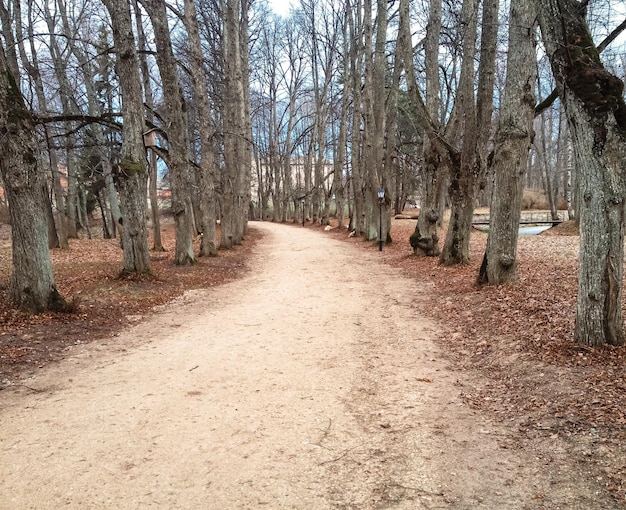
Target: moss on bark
(584, 75)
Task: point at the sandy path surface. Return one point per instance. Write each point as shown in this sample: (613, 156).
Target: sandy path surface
(311, 383)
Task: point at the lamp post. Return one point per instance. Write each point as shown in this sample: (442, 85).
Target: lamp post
(381, 199)
(302, 202)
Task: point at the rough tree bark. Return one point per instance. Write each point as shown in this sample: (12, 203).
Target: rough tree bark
(245, 148)
(374, 101)
(512, 143)
(355, 31)
(132, 173)
(433, 169)
(177, 135)
(33, 70)
(484, 95)
(342, 138)
(142, 45)
(425, 239)
(596, 113)
(205, 175)
(462, 175)
(475, 122)
(32, 286)
(235, 128)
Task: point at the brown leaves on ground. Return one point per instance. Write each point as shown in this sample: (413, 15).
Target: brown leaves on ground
(88, 273)
(519, 339)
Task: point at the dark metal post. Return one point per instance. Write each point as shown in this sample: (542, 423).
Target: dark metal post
(380, 227)
(381, 199)
(302, 201)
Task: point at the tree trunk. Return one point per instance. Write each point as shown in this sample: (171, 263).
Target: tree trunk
(425, 239)
(596, 112)
(132, 172)
(467, 177)
(374, 101)
(232, 77)
(177, 135)
(463, 174)
(355, 32)
(114, 203)
(205, 174)
(83, 215)
(322, 54)
(89, 72)
(57, 238)
(512, 143)
(565, 147)
(53, 238)
(8, 21)
(32, 68)
(32, 286)
(295, 82)
(235, 128)
(342, 138)
(245, 145)
(391, 148)
(153, 192)
(544, 150)
(59, 61)
(157, 242)
(484, 95)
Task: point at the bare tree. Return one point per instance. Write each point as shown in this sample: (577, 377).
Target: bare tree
(237, 156)
(339, 160)
(60, 57)
(512, 143)
(132, 172)
(356, 57)
(32, 285)
(142, 45)
(293, 77)
(94, 109)
(425, 239)
(268, 58)
(33, 70)
(374, 102)
(462, 174)
(596, 112)
(205, 175)
(178, 160)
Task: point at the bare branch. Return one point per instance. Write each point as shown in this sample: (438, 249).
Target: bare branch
(548, 101)
(104, 119)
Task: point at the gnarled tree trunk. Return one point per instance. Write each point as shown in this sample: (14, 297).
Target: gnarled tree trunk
(437, 154)
(512, 143)
(596, 113)
(237, 157)
(32, 285)
(178, 141)
(132, 173)
(205, 174)
(463, 174)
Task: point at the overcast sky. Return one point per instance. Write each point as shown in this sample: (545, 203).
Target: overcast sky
(280, 6)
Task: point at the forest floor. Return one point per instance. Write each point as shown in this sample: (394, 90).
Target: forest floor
(511, 414)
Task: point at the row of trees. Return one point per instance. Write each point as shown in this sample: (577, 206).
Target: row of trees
(329, 104)
(396, 85)
(80, 87)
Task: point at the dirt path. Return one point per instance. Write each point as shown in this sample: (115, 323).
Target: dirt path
(312, 383)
